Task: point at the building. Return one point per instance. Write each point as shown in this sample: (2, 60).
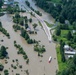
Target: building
(66, 47)
(8, 2)
(69, 52)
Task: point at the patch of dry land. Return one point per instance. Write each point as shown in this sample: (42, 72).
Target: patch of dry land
(16, 64)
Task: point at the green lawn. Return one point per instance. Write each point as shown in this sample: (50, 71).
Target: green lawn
(60, 63)
(63, 35)
(48, 24)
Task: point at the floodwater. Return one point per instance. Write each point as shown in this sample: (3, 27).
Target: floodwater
(35, 67)
(46, 16)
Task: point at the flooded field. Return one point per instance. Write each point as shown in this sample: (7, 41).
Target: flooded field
(37, 65)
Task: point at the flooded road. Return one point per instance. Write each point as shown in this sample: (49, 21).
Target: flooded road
(45, 16)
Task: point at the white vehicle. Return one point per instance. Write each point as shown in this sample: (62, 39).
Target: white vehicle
(50, 58)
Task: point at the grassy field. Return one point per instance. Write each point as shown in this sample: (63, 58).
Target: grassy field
(63, 35)
(60, 63)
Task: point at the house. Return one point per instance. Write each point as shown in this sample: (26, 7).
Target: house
(73, 31)
(28, 29)
(69, 52)
(8, 2)
(66, 47)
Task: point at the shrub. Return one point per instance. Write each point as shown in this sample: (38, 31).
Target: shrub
(1, 67)
(6, 72)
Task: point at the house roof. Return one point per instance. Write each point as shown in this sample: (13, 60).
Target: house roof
(70, 52)
(66, 46)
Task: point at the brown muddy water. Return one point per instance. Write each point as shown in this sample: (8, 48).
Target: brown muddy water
(45, 16)
(35, 67)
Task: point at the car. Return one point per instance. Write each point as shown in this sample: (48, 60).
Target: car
(50, 58)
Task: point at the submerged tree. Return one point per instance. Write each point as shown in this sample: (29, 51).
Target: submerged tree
(35, 25)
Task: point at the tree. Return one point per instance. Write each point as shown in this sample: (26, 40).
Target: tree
(30, 20)
(1, 3)
(23, 32)
(28, 4)
(29, 41)
(26, 20)
(6, 72)
(26, 36)
(3, 51)
(61, 19)
(17, 15)
(75, 38)
(34, 25)
(69, 35)
(21, 21)
(26, 26)
(58, 31)
(1, 67)
(74, 59)
(74, 25)
(0, 24)
(62, 50)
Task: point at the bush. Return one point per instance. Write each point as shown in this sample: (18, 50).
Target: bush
(27, 3)
(1, 67)
(14, 67)
(27, 62)
(30, 20)
(39, 49)
(6, 72)
(25, 56)
(20, 66)
(29, 41)
(54, 38)
(17, 74)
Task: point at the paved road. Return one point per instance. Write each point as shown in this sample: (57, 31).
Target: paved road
(46, 29)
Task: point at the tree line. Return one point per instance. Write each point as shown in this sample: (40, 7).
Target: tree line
(60, 11)
(70, 69)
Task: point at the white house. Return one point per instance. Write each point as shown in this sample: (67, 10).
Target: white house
(70, 52)
(66, 47)
(8, 2)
